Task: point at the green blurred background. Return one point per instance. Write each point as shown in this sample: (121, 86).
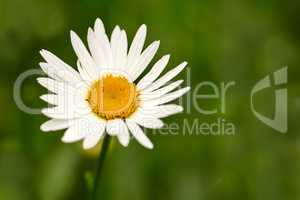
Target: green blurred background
(223, 41)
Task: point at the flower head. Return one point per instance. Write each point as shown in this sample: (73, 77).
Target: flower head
(103, 95)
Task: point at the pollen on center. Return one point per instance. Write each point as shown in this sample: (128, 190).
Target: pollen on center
(113, 97)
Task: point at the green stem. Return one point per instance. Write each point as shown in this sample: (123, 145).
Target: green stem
(102, 155)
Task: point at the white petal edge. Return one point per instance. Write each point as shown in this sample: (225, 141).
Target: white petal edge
(83, 73)
(166, 77)
(50, 71)
(166, 98)
(67, 111)
(160, 92)
(55, 86)
(103, 41)
(114, 43)
(146, 121)
(60, 68)
(143, 61)
(94, 134)
(118, 127)
(50, 98)
(153, 74)
(161, 111)
(55, 125)
(73, 134)
(136, 45)
(139, 134)
(84, 56)
(121, 53)
(112, 127)
(66, 100)
(99, 26)
(96, 50)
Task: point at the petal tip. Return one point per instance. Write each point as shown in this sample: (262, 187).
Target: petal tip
(43, 128)
(43, 97)
(180, 109)
(149, 146)
(42, 51)
(167, 56)
(90, 30)
(98, 20)
(160, 125)
(64, 139)
(184, 63)
(40, 80)
(86, 146)
(143, 27)
(73, 34)
(125, 144)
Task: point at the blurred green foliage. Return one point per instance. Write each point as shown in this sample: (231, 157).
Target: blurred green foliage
(223, 40)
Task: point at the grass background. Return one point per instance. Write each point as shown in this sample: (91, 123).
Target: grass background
(223, 41)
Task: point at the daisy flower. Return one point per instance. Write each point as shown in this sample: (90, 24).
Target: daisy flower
(104, 96)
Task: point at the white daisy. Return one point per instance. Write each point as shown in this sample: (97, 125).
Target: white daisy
(103, 95)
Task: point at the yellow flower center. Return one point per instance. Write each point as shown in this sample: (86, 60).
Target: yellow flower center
(113, 97)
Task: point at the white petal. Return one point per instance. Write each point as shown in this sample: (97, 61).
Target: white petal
(68, 109)
(112, 126)
(73, 134)
(160, 92)
(78, 90)
(114, 41)
(83, 73)
(138, 133)
(161, 111)
(96, 50)
(103, 41)
(136, 45)
(66, 99)
(55, 86)
(94, 133)
(146, 121)
(117, 127)
(71, 101)
(84, 56)
(143, 61)
(167, 77)
(99, 26)
(50, 98)
(59, 68)
(119, 47)
(121, 52)
(55, 124)
(115, 35)
(123, 134)
(50, 71)
(167, 98)
(89, 125)
(153, 73)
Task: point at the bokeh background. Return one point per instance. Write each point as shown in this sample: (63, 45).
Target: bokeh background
(223, 41)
